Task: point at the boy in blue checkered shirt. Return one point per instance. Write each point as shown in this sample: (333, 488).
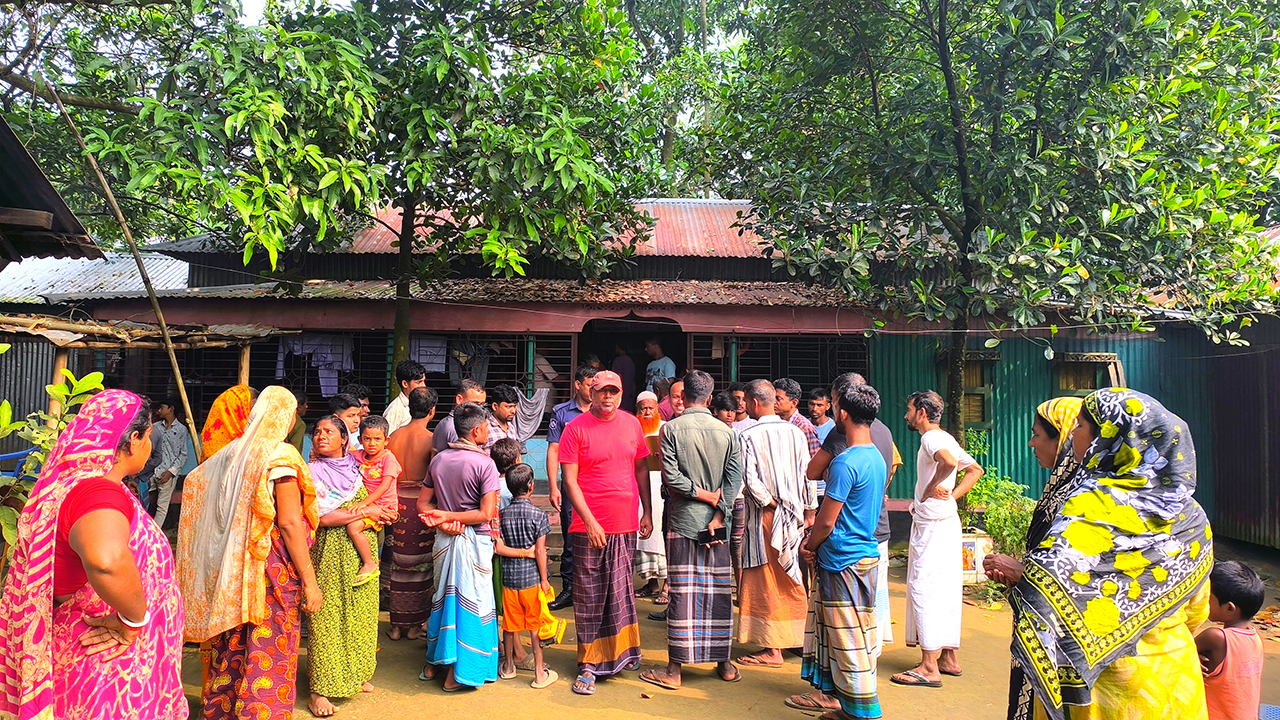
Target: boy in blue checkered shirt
(525, 588)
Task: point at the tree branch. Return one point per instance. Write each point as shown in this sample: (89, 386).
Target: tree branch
(81, 101)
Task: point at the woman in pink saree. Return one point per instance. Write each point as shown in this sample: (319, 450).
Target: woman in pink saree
(100, 638)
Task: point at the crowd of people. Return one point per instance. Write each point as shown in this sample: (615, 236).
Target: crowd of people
(746, 519)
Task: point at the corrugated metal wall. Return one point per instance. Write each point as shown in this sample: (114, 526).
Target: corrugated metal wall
(1171, 367)
(24, 371)
(1246, 412)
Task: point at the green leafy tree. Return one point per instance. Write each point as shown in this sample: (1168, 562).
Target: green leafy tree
(199, 122)
(1044, 162)
(508, 131)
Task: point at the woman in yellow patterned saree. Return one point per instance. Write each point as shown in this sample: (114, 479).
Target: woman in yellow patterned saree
(1109, 593)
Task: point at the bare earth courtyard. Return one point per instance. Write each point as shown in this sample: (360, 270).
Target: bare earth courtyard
(978, 695)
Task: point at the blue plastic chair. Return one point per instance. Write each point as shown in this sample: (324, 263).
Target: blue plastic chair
(20, 457)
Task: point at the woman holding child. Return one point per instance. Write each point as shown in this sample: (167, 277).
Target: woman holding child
(249, 512)
(344, 632)
(1114, 578)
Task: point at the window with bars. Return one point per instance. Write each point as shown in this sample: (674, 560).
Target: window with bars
(811, 360)
(1081, 373)
(974, 409)
(491, 359)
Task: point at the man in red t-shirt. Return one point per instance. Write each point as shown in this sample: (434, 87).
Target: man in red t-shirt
(606, 478)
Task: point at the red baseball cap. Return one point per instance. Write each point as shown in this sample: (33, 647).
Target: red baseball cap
(606, 378)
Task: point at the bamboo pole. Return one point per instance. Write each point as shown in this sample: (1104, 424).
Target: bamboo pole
(64, 325)
(59, 364)
(244, 364)
(142, 268)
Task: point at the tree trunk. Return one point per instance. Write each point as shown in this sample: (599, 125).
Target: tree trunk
(955, 380)
(669, 142)
(404, 285)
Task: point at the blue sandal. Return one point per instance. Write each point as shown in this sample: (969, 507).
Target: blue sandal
(587, 682)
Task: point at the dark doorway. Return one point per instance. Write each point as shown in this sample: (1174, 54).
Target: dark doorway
(601, 337)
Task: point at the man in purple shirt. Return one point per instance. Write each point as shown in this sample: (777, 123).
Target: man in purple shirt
(460, 498)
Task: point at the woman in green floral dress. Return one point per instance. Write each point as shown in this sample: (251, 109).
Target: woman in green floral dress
(343, 637)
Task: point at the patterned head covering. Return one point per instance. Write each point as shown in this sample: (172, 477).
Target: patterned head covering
(86, 449)
(229, 509)
(1128, 547)
(227, 420)
(1061, 413)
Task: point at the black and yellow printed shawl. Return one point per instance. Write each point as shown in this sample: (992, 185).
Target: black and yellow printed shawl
(1128, 547)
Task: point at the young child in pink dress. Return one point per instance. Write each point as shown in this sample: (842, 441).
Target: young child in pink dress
(380, 471)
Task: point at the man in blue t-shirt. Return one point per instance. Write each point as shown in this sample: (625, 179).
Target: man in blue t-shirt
(660, 367)
(560, 417)
(844, 554)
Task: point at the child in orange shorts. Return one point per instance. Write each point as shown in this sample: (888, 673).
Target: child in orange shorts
(525, 588)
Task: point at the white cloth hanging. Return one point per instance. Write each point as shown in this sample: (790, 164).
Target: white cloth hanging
(329, 354)
(430, 351)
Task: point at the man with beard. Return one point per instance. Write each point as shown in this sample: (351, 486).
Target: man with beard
(504, 401)
(935, 581)
(651, 552)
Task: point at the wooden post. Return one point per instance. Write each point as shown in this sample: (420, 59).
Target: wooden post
(59, 364)
(142, 269)
(244, 364)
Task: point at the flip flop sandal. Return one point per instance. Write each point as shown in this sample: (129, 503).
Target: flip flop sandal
(504, 675)
(552, 677)
(753, 661)
(588, 682)
(526, 664)
(422, 675)
(364, 578)
(650, 677)
(952, 674)
(919, 680)
(736, 675)
(662, 599)
(459, 688)
(644, 592)
(807, 703)
(632, 666)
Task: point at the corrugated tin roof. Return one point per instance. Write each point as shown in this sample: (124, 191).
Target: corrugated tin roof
(35, 280)
(523, 290)
(23, 186)
(698, 228)
(682, 228)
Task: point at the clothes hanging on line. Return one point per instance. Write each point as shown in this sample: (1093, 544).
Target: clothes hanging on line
(430, 351)
(329, 354)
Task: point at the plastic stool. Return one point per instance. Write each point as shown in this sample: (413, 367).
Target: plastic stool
(1269, 712)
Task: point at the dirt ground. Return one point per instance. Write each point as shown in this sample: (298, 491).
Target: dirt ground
(979, 695)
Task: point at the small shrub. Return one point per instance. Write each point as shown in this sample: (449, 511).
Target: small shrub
(1002, 503)
(41, 430)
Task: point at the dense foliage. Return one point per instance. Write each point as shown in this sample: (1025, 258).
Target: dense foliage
(1052, 163)
(1024, 162)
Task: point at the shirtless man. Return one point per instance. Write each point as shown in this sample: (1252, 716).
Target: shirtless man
(410, 542)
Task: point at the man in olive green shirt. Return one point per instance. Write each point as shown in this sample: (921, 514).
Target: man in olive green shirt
(702, 473)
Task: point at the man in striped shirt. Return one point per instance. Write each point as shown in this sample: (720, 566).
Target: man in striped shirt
(780, 503)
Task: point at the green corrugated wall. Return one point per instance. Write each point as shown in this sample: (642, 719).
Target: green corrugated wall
(1170, 366)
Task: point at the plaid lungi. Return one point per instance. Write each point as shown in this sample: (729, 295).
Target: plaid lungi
(700, 616)
(651, 566)
(604, 604)
(841, 635)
